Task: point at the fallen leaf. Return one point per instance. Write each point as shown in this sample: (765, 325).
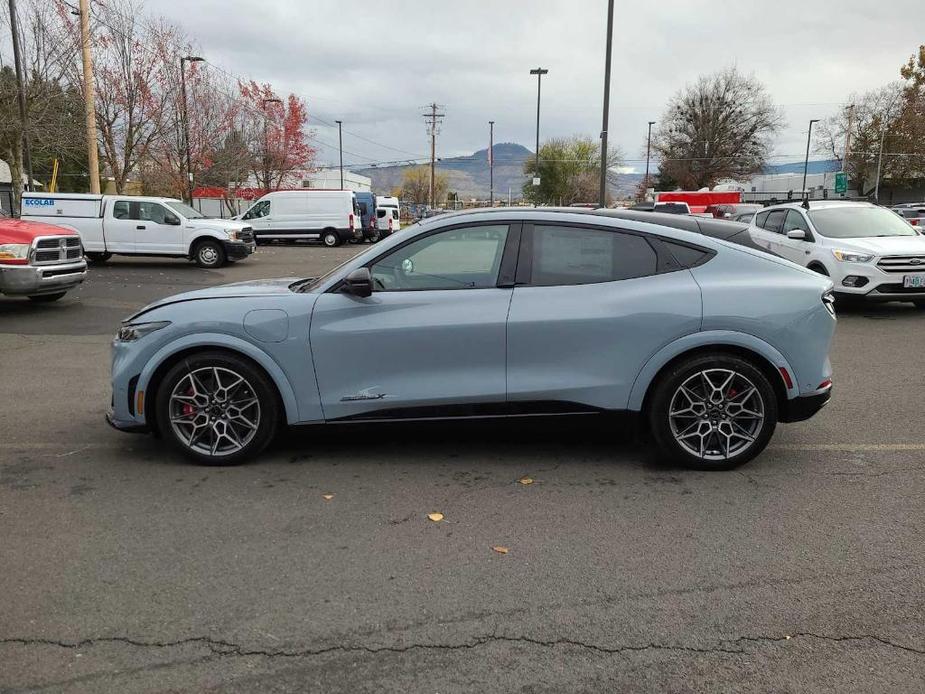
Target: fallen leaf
(435, 517)
(500, 550)
(327, 497)
(526, 480)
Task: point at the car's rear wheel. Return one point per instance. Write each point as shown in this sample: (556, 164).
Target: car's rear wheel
(217, 408)
(713, 412)
(330, 238)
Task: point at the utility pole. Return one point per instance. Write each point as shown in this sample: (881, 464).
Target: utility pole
(607, 61)
(809, 136)
(844, 163)
(21, 93)
(539, 72)
(266, 140)
(184, 115)
(648, 150)
(93, 161)
(883, 127)
(433, 121)
(491, 163)
(340, 145)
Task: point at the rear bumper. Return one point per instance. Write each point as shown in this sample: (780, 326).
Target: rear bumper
(351, 234)
(805, 406)
(30, 280)
(237, 250)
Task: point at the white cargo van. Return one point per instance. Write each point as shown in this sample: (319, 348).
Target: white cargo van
(131, 225)
(331, 216)
(387, 214)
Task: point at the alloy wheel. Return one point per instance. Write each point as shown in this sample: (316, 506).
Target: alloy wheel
(214, 411)
(716, 414)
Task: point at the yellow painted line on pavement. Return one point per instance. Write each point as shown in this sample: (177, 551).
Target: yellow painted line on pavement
(848, 447)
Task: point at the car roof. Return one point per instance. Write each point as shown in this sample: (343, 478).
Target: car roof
(820, 204)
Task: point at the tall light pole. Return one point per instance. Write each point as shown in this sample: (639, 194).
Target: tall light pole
(340, 145)
(539, 72)
(266, 140)
(648, 149)
(188, 183)
(21, 93)
(809, 136)
(603, 200)
(491, 163)
(93, 157)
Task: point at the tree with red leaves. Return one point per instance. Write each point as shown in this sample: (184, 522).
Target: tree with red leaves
(276, 135)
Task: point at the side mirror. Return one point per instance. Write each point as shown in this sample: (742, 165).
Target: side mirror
(359, 283)
(796, 235)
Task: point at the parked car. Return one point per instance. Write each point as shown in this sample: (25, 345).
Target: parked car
(147, 226)
(731, 210)
(868, 251)
(668, 207)
(914, 215)
(503, 312)
(329, 216)
(388, 214)
(40, 261)
(366, 204)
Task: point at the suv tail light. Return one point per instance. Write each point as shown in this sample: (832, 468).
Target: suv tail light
(390, 224)
(350, 221)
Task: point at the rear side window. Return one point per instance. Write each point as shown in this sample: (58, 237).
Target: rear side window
(120, 210)
(775, 220)
(688, 256)
(761, 219)
(561, 255)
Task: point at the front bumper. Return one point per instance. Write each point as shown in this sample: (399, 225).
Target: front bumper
(803, 407)
(877, 285)
(127, 426)
(238, 250)
(33, 280)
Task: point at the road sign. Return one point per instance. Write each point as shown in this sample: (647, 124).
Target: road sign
(841, 182)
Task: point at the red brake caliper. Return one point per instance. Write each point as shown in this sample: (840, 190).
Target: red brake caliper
(187, 408)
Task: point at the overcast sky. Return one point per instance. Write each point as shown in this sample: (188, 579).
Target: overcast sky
(375, 63)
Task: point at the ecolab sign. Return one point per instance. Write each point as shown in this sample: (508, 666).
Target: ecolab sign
(39, 202)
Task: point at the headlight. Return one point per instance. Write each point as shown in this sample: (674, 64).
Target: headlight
(851, 257)
(233, 235)
(14, 251)
(136, 331)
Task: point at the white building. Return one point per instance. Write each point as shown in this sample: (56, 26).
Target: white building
(330, 178)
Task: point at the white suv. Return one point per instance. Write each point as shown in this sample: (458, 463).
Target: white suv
(868, 251)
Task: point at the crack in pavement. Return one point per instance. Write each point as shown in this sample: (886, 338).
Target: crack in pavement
(227, 648)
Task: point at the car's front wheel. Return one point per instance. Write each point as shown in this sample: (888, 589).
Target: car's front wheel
(209, 254)
(330, 238)
(713, 412)
(217, 408)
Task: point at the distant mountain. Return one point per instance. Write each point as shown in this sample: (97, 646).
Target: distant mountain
(468, 176)
(814, 167)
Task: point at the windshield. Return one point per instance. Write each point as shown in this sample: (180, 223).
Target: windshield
(185, 210)
(859, 223)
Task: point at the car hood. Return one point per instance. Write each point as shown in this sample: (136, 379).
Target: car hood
(219, 224)
(886, 245)
(253, 288)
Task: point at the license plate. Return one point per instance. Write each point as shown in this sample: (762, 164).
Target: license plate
(913, 281)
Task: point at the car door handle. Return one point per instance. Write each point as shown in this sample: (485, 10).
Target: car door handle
(140, 226)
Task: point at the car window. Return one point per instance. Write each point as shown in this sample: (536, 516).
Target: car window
(761, 219)
(121, 210)
(153, 212)
(466, 258)
(380, 213)
(261, 209)
(571, 255)
(795, 222)
(852, 222)
(775, 220)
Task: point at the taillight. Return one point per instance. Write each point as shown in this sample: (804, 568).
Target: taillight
(786, 376)
(390, 224)
(350, 221)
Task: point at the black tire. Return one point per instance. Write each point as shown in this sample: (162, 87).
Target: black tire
(374, 236)
(330, 238)
(46, 298)
(209, 254)
(715, 418)
(98, 258)
(256, 384)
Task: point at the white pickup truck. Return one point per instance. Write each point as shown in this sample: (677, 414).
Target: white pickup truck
(130, 225)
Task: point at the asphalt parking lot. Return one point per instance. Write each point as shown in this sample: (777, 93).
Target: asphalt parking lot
(124, 569)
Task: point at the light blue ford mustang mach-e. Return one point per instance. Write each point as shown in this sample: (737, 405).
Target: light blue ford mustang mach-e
(503, 312)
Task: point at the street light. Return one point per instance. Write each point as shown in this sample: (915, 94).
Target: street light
(809, 136)
(266, 141)
(340, 144)
(189, 166)
(603, 200)
(539, 72)
(648, 149)
(491, 163)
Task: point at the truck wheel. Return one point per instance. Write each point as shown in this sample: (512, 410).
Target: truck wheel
(98, 258)
(46, 298)
(217, 408)
(209, 254)
(330, 238)
(713, 412)
(374, 236)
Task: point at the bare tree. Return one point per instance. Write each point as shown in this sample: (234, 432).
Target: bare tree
(722, 126)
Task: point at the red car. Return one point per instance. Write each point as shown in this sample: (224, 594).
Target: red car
(40, 261)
